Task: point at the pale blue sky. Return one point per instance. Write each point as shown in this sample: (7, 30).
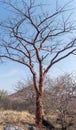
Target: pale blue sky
(11, 72)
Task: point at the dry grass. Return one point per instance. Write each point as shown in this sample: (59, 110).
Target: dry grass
(15, 118)
(22, 119)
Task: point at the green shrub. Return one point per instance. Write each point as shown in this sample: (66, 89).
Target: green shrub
(3, 94)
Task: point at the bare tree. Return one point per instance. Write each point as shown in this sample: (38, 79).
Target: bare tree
(61, 94)
(37, 39)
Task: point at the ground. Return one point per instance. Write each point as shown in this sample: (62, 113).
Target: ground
(25, 120)
(15, 118)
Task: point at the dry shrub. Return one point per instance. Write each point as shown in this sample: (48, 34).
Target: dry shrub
(15, 118)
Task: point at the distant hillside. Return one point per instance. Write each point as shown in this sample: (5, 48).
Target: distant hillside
(25, 98)
(23, 94)
(27, 93)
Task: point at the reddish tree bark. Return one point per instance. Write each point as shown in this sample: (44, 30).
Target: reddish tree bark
(39, 107)
(39, 98)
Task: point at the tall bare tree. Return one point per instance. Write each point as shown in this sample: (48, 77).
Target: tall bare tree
(36, 38)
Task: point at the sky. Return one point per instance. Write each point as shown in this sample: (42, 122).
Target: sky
(11, 72)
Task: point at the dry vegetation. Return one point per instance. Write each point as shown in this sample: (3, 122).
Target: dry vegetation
(59, 104)
(24, 119)
(13, 118)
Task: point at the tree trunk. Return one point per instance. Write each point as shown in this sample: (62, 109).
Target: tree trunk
(39, 109)
(39, 87)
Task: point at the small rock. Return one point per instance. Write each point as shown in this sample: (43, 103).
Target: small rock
(32, 128)
(13, 128)
(47, 124)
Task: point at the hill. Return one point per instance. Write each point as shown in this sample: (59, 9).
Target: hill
(23, 94)
(26, 97)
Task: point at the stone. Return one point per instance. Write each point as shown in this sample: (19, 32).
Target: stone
(13, 128)
(32, 128)
(47, 124)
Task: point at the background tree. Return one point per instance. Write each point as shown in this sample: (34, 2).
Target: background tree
(3, 98)
(3, 94)
(38, 39)
(61, 95)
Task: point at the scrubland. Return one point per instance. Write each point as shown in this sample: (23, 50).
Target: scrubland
(15, 118)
